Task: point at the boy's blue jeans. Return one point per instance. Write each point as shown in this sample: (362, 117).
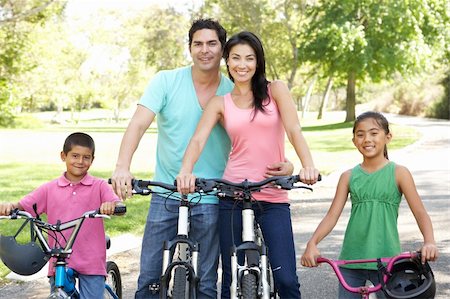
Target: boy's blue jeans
(161, 225)
(275, 222)
(356, 278)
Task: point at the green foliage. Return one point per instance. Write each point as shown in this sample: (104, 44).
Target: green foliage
(441, 108)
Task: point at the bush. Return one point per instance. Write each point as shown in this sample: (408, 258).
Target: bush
(441, 108)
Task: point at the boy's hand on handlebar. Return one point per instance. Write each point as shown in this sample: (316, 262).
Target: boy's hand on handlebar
(429, 252)
(121, 183)
(107, 208)
(309, 175)
(6, 208)
(279, 169)
(309, 257)
(185, 182)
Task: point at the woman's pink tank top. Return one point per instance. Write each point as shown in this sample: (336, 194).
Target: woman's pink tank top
(255, 143)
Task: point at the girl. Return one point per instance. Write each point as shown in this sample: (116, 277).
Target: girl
(254, 114)
(376, 187)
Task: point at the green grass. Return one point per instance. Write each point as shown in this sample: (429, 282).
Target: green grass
(330, 144)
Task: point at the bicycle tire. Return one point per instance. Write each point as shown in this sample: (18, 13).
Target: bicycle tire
(249, 286)
(179, 283)
(113, 279)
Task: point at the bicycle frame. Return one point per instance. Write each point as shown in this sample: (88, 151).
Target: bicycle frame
(365, 291)
(256, 263)
(180, 255)
(64, 277)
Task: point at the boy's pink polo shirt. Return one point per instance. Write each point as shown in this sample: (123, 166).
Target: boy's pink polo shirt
(61, 200)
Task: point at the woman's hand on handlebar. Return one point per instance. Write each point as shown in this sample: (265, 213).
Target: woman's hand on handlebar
(309, 175)
(7, 207)
(121, 183)
(185, 182)
(309, 257)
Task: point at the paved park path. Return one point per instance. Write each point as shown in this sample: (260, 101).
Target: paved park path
(429, 161)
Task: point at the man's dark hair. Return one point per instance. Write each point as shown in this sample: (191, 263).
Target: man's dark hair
(81, 139)
(208, 24)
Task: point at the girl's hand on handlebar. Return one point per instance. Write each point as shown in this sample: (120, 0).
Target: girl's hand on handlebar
(185, 182)
(429, 252)
(309, 257)
(121, 183)
(309, 175)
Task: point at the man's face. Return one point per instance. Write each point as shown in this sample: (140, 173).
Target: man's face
(206, 50)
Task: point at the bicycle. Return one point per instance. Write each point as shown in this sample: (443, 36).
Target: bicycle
(179, 276)
(254, 277)
(401, 276)
(30, 258)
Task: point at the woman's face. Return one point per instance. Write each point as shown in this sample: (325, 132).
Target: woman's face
(242, 63)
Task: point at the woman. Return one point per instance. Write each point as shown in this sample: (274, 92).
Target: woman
(254, 115)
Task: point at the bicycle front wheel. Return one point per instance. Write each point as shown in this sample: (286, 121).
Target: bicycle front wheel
(179, 283)
(249, 286)
(113, 280)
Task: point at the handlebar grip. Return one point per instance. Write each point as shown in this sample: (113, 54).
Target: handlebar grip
(120, 209)
(109, 181)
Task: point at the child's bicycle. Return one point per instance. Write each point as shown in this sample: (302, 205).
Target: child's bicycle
(402, 276)
(30, 258)
(253, 278)
(179, 276)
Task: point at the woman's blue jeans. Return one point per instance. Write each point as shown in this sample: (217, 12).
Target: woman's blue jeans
(275, 223)
(161, 225)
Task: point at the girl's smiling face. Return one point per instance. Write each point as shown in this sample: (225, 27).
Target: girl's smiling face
(370, 139)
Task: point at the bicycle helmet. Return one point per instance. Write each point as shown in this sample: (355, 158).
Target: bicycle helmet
(24, 259)
(410, 279)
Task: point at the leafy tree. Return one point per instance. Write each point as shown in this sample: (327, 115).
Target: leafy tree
(369, 39)
(17, 19)
(278, 23)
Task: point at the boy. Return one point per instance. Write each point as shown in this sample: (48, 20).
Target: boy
(68, 197)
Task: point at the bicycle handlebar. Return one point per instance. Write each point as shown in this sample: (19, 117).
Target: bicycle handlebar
(389, 261)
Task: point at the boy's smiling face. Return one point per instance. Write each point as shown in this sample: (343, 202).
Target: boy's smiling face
(78, 161)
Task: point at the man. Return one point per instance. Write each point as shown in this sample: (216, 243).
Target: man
(178, 97)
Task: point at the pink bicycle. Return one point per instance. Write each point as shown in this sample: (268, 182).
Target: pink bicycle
(401, 277)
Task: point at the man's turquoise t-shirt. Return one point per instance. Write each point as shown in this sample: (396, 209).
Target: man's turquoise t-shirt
(171, 96)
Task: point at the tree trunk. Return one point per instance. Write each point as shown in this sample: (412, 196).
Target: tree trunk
(308, 95)
(326, 96)
(351, 97)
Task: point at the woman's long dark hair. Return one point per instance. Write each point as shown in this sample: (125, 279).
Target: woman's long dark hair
(259, 81)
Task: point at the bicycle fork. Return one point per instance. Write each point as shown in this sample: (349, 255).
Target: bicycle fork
(252, 241)
(186, 251)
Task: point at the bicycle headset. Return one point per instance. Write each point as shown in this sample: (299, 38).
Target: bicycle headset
(410, 279)
(26, 259)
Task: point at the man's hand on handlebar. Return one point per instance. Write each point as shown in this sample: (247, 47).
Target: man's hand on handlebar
(121, 183)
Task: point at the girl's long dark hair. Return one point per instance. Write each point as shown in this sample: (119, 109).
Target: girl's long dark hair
(259, 81)
(380, 120)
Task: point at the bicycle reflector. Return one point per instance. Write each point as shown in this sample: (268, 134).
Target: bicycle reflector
(410, 279)
(24, 259)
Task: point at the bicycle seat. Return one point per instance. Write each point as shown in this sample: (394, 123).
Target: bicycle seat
(24, 259)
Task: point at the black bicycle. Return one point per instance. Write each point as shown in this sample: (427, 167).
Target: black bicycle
(179, 276)
(253, 278)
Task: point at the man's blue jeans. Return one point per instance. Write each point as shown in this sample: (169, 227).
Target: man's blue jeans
(357, 278)
(161, 225)
(275, 222)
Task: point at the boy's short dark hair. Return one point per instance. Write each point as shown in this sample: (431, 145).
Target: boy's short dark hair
(81, 139)
(200, 24)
